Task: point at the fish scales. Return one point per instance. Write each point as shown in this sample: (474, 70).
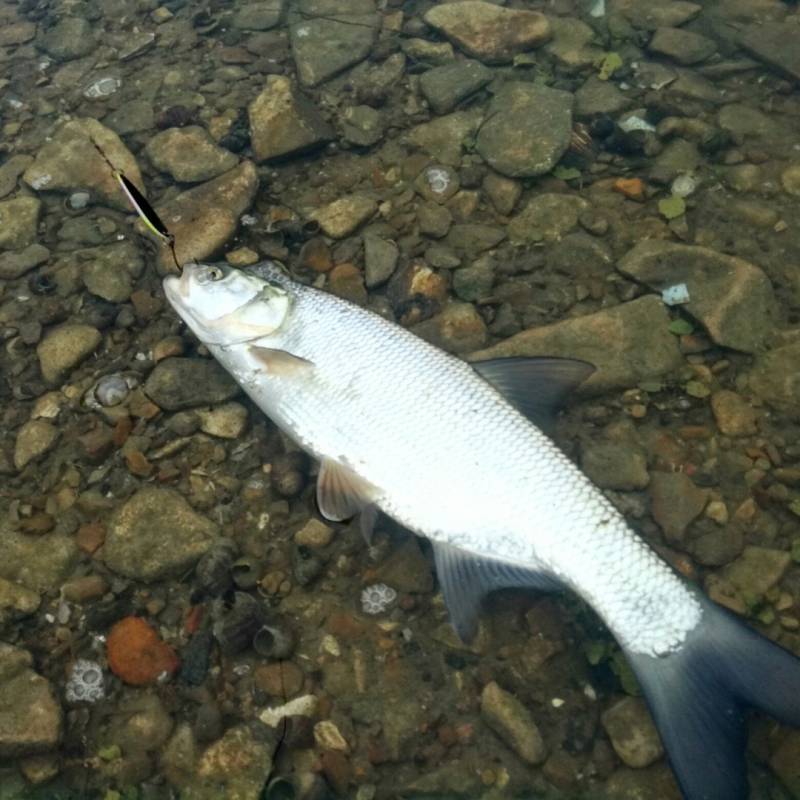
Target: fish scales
(455, 462)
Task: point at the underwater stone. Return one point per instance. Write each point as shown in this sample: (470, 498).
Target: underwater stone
(512, 722)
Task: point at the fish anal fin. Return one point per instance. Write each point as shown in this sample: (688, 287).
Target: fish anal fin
(279, 362)
(537, 387)
(466, 579)
(341, 493)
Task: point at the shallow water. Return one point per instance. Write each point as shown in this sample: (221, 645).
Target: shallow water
(616, 182)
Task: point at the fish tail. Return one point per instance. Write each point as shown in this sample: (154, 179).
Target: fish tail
(699, 693)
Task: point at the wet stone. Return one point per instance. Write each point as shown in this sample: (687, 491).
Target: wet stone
(178, 383)
(19, 219)
(785, 762)
(681, 45)
(156, 534)
(527, 130)
(227, 421)
(380, 260)
(775, 378)
(343, 216)
(757, 570)
(189, 154)
(676, 502)
(502, 192)
(733, 414)
(346, 281)
(459, 328)
(284, 122)
(132, 117)
(471, 239)
(64, 348)
(652, 14)
(259, 16)
(546, 217)
(512, 722)
(362, 126)
(111, 271)
(488, 32)
(427, 52)
(774, 43)
(10, 172)
(442, 257)
(445, 87)
(599, 97)
(16, 601)
(34, 439)
(434, 220)
(70, 37)
(475, 282)
(716, 548)
(620, 465)
(140, 722)
(633, 735)
(15, 264)
(30, 716)
(573, 43)
(38, 563)
(443, 138)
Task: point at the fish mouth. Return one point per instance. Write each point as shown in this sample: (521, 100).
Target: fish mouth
(176, 287)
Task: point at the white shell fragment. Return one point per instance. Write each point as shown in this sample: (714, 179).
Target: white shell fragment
(102, 87)
(683, 185)
(85, 683)
(676, 294)
(635, 123)
(376, 598)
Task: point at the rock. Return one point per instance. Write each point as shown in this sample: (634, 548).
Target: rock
(343, 216)
(746, 122)
(650, 782)
(774, 43)
(70, 161)
(380, 260)
(676, 502)
(775, 378)
(17, 32)
(34, 439)
(719, 547)
(362, 126)
(416, 292)
(19, 220)
(459, 328)
(599, 97)
(489, 32)
(455, 778)
(581, 256)
(372, 83)
(131, 117)
(731, 297)
(204, 217)
(111, 271)
(445, 87)
(284, 122)
(39, 563)
(682, 46)
(527, 130)
(652, 14)
(442, 257)
(757, 570)
(474, 283)
(65, 347)
(10, 172)
(16, 601)
(227, 421)
(619, 463)
(512, 722)
(733, 414)
(628, 343)
(139, 722)
(471, 239)
(633, 735)
(342, 37)
(790, 179)
(406, 569)
(14, 265)
(283, 679)
(434, 220)
(30, 716)
(785, 762)
(314, 534)
(189, 154)
(444, 137)
(70, 37)
(573, 43)
(137, 655)
(437, 183)
(546, 217)
(346, 281)
(258, 16)
(502, 192)
(177, 383)
(156, 534)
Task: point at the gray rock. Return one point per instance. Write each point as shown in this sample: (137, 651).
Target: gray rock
(546, 217)
(785, 762)
(733, 414)
(14, 265)
(512, 722)
(573, 43)
(489, 32)
(732, 298)
(342, 37)
(156, 534)
(438, 183)
(424, 51)
(749, 123)
(111, 271)
(30, 716)
(406, 569)
(284, 122)
(16, 601)
(475, 282)
(70, 37)
(676, 502)
(39, 563)
(633, 735)
(678, 157)
(380, 260)
(657, 780)
(343, 216)
(227, 421)
(19, 220)
(189, 154)
(434, 220)
(444, 137)
(527, 130)
(177, 383)
(774, 43)
(652, 14)
(372, 83)
(259, 16)
(628, 343)
(757, 570)
(139, 722)
(132, 117)
(617, 461)
(502, 192)
(442, 257)
(599, 97)
(775, 378)
(458, 328)
(580, 255)
(455, 778)
(362, 126)
(472, 238)
(718, 547)
(682, 46)
(10, 172)
(445, 87)
(65, 347)
(35, 438)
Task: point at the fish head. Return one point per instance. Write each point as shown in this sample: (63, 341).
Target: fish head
(225, 306)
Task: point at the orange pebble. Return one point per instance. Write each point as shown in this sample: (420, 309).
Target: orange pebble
(632, 188)
(137, 654)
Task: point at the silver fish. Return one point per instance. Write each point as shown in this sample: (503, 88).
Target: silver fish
(449, 450)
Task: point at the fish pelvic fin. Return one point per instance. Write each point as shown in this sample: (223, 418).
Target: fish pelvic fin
(698, 696)
(341, 493)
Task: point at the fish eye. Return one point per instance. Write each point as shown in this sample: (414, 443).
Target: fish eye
(215, 274)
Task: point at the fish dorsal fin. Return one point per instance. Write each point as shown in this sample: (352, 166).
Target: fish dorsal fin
(341, 493)
(279, 362)
(466, 578)
(537, 387)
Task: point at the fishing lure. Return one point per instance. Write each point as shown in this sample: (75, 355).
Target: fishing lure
(145, 211)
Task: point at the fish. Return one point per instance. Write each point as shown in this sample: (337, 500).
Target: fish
(456, 452)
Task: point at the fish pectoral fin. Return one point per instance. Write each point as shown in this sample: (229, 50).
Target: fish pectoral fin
(341, 493)
(279, 362)
(537, 387)
(466, 578)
